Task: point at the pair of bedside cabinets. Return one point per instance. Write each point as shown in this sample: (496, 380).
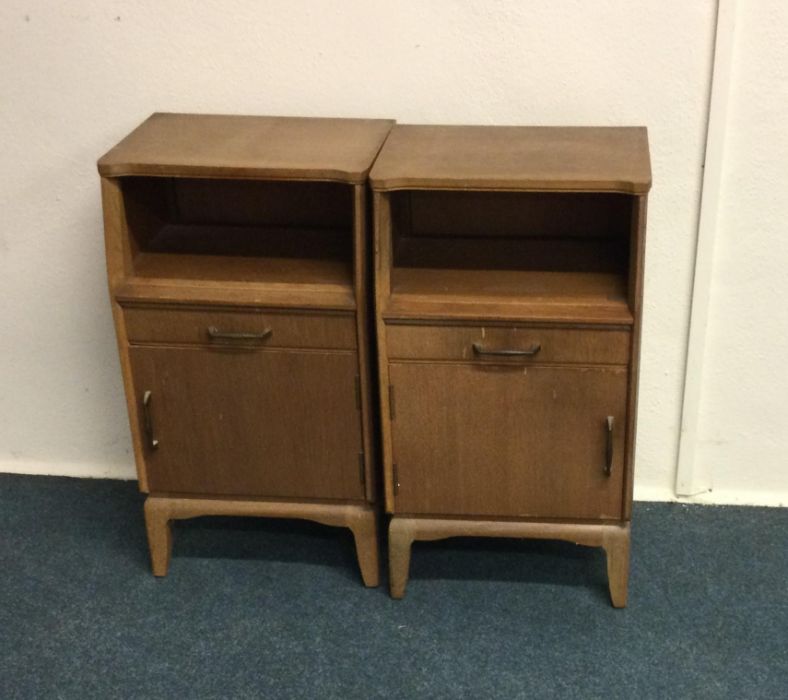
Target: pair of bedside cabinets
(317, 314)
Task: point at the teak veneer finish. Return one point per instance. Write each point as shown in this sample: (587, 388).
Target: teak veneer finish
(362, 522)
(613, 538)
(237, 265)
(230, 146)
(515, 441)
(585, 159)
(509, 281)
(244, 421)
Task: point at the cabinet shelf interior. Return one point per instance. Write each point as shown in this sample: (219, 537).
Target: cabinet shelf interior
(251, 231)
(524, 247)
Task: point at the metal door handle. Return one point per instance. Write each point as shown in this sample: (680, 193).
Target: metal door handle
(609, 447)
(215, 334)
(479, 349)
(147, 421)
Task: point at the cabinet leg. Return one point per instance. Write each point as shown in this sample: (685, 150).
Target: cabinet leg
(158, 525)
(400, 541)
(365, 534)
(616, 544)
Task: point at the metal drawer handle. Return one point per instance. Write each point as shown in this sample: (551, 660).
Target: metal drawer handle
(147, 421)
(479, 349)
(609, 447)
(215, 334)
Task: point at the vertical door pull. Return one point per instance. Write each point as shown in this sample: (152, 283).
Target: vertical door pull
(609, 447)
(153, 443)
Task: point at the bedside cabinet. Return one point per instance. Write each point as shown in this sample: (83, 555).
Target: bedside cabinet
(237, 263)
(509, 265)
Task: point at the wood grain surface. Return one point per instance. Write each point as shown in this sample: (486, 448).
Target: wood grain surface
(160, 511)
(506, 294)
(556, 345)
(613, 537)
(244, 225)
(243, 422)
(596, 159)
(509, 238)
(507, 440)
(189, 325)
(231, 146)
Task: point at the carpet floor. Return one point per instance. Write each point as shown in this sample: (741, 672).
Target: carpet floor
(275, 609)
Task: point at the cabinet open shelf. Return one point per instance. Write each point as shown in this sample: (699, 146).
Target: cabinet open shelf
(243, 280)
(512, 255)
(508, 294)
(255, 242)
(252, 241)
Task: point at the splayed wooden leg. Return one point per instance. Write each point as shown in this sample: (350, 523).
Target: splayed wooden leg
(616, 544)
(159, 527)
(365, 533)
(400, 541)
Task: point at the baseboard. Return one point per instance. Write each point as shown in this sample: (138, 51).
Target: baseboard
(82, 470)
(126, 472)
(716, 497)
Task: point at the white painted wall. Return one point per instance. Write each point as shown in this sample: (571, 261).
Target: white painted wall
(76, 76)
(743, 430)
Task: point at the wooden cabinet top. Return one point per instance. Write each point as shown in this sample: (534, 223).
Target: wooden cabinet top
(225, 146)
(589, 159)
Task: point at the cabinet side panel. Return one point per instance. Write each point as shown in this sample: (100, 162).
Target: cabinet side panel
(119, 252)
(118, 245)
(636, 270)
(382, 266)
(361, 277)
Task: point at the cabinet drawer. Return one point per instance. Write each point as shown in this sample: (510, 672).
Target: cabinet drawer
(508, 344)
(247, 328)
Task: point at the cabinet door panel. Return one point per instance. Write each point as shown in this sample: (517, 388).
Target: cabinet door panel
(472, 439)
(251, 423)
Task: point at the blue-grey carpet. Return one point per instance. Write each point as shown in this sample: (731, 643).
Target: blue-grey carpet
(276, 609)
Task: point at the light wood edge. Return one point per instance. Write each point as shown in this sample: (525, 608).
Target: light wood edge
(108, 169)
(614, 538)
(362, 320)
(142, 290)
(535, 324)
(473, 362)
(360, 519)
(402, 183)
(201, 172)
(382, 266)
(491, 313)
(238, 349)
(119, 257)
(150, 305)
(636, 275)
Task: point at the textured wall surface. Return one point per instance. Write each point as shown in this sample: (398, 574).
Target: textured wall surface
(78, 76)
(744, 409)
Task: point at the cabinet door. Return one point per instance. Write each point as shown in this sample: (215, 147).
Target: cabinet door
(249, 422)
(475, 439)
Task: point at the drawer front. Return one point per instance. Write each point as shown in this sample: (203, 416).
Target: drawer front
(510, 344)
(491, 440)
(248, 328)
